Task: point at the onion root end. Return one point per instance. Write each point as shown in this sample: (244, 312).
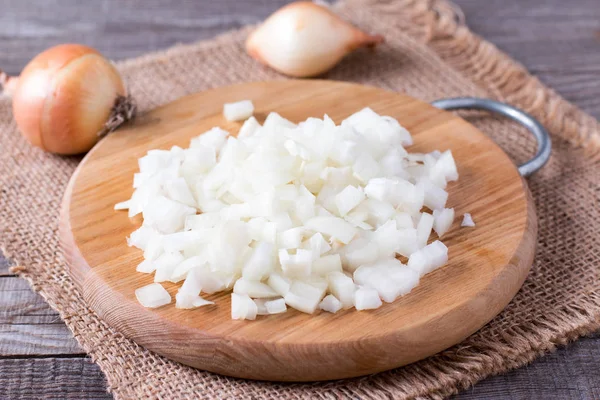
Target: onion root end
(124, 109)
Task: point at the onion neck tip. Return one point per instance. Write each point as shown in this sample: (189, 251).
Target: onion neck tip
(8, 84)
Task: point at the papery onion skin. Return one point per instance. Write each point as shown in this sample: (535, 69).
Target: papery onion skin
(64, 97)
(304, 39)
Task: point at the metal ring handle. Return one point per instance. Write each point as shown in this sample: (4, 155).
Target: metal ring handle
(542, 137)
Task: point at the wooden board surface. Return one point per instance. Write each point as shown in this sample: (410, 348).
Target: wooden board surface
(487, 264)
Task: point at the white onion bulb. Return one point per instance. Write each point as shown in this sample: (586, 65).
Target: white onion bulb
(305, 39)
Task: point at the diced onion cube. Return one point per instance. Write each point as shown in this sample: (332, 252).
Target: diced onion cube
(254, 289)
(153, 295)
(348, 198)
(429, 258)
(296, 265)
(304, 297)
(242, 307)
(214, 138)
(366, 299)
(165, 266)
(249, 128)
(186, 301)
(318, 244)
(124, 205)
(435, 197)
(166, 215)
(146, 266)
(444, 169)
(330, 304)
(279, 283)
(364, 255)
(261, 309)
(291, 238)
(443, 220)
(333, 227)
(326, 264)
(141, 237)
(178, 190)
(261, 262)
(238, 111)
(467, 220)
(276, 306)
(424, 229)
(342, 287)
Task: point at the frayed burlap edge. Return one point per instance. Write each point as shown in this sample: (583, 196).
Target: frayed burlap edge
(438, 25)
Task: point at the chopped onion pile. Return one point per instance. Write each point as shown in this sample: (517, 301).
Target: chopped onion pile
(309, 216)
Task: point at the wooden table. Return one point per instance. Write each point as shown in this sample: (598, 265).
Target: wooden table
(558, 41)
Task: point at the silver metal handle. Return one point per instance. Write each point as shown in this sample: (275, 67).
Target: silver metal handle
(544, 145)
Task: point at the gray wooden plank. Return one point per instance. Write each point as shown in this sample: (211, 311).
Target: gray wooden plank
(32, 340)
(51, 378)
(4, 265)
(28, 326)
(79, 378)
(570, 373)
(20, 305)
(118, 29)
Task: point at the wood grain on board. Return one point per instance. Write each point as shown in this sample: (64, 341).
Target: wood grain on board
(556, 40)
(487, 264)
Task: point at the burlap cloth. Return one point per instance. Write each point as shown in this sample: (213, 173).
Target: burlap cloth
(429, 54)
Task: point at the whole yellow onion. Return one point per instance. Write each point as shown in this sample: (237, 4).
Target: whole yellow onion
(67, 97)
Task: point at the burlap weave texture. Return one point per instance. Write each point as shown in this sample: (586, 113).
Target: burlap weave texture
(428, 54)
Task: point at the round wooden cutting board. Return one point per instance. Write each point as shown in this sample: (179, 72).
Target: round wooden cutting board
(487, 266)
